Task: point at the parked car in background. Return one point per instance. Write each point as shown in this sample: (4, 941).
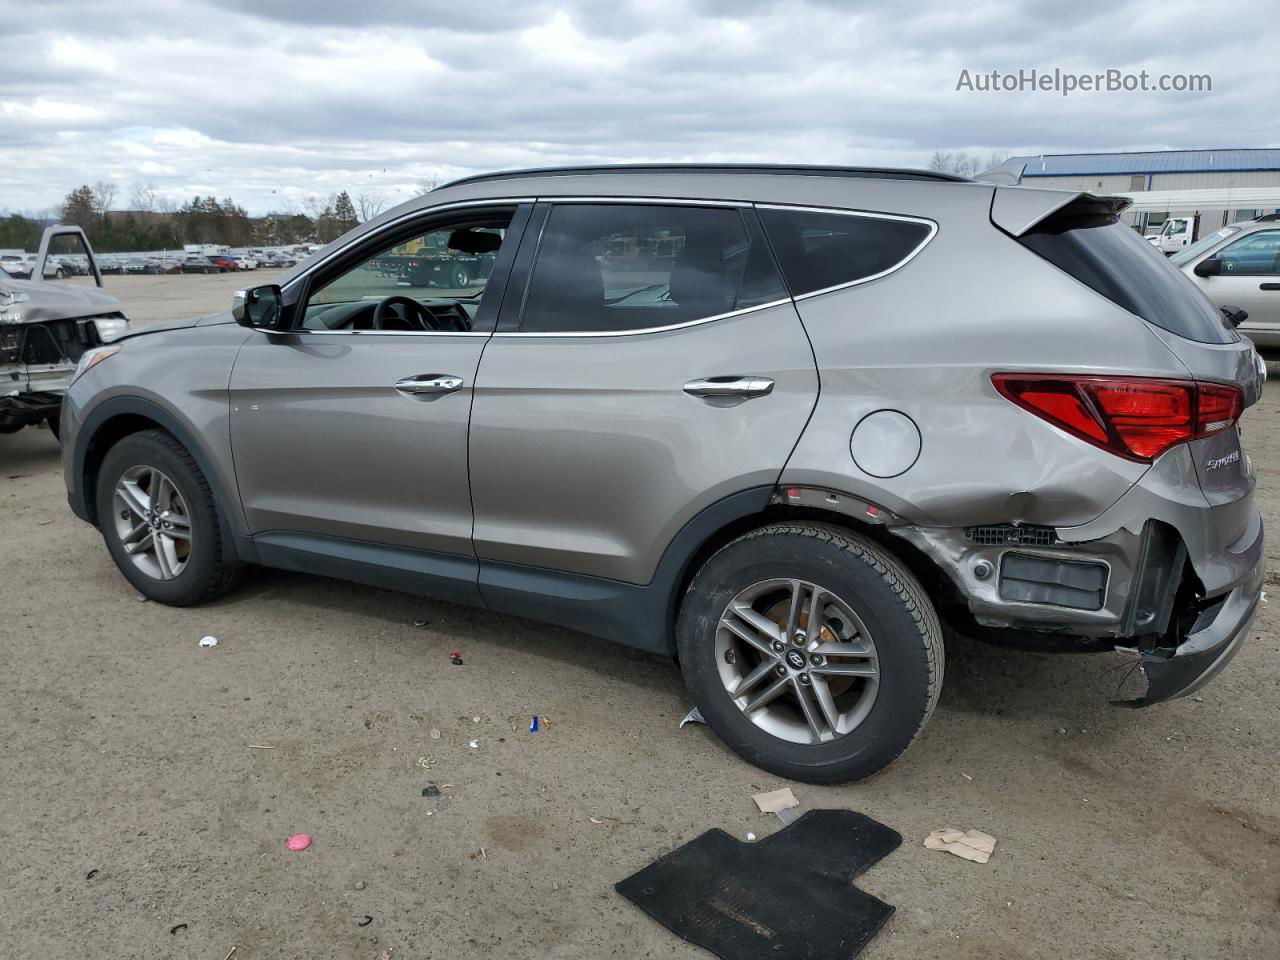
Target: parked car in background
(109, 263)
(224, 262)
(170, 265)
(244, 261)
(1238, 267)
(631, 441)
(15, 265)
(196, 263)
(45, 330)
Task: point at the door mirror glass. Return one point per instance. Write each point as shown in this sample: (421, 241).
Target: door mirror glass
(1208, 268)
(258, 307)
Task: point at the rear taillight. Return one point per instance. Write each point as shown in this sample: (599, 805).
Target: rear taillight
(1138, 418)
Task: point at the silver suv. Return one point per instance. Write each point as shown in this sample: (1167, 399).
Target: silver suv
(782, 423)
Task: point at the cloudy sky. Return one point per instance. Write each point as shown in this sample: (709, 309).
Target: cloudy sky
(271, 101)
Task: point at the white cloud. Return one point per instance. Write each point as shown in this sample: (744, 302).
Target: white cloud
(270, 101)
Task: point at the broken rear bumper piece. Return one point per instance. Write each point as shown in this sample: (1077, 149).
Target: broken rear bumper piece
(1213, 639)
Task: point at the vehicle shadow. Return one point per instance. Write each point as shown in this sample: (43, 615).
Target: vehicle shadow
(470, 628)
(990, 680)
(29, 451)
(981, 679)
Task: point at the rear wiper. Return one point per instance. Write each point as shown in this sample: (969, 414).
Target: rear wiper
(1234, 315)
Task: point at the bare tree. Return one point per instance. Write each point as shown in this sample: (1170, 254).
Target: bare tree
(144, 197)
(319, 207)
(369, 205)
(425, 185)
(104, 196)
(961, 164)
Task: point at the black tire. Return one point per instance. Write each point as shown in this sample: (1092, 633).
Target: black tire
(458, 277)
(877, 587)
(211, 569)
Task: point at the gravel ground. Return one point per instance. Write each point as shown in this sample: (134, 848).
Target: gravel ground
(138, 793)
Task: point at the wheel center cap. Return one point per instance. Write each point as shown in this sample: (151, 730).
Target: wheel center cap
(795, 660)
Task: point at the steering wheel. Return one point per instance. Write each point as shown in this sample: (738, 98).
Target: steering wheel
(412, 310)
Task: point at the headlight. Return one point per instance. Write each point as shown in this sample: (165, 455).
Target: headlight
(111, 328)
(91, 359)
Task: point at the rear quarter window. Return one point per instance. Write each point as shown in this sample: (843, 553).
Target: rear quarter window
(1102, 253)
(818, 250)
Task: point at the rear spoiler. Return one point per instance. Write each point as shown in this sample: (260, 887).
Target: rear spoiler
(1016, 210)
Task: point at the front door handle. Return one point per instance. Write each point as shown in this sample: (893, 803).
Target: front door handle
(1269, 286)
(743, 388)
(428, 385)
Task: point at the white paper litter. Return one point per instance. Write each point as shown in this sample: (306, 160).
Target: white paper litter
(776, 800)
(693, 716)
(208, 641)
(967, 844)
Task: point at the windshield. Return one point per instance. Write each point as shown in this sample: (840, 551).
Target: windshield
(1182, 258)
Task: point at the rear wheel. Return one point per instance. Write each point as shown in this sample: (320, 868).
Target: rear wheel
(458, 277)
(812, 651)
(160, 521)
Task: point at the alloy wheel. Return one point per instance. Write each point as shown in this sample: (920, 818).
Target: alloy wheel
(797, 661)
(153, 522)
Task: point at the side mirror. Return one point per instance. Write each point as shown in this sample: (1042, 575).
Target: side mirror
(1211, 267)
(258, 307)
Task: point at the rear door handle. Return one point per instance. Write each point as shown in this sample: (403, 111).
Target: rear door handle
(734, 387)
(1269, 286)
(428, 385)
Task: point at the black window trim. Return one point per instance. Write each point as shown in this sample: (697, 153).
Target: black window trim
(742, 206)
(865, 214)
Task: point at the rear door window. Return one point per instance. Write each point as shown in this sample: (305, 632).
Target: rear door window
(819, 250)
(1105, 254)
(618, 267)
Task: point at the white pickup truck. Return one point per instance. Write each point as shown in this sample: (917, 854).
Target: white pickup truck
(1176, 233)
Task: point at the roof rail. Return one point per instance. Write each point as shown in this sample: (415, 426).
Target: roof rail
(792, 170)
(1266, 218)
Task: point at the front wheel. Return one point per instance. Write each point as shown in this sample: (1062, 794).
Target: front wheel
(811, 650)
(160, 521)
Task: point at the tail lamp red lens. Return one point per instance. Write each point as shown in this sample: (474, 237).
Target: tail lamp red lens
(1138, 418)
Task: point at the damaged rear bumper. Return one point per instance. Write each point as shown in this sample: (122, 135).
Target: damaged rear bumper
(1214, 638)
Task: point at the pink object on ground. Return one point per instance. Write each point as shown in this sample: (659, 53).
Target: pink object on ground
(299, 841)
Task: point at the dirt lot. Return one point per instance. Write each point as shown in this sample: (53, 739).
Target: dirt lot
(138, 795)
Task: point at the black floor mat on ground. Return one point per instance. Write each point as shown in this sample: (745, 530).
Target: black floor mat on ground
(789, 896)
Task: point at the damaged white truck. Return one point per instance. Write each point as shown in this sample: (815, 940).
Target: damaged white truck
(46, 325)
